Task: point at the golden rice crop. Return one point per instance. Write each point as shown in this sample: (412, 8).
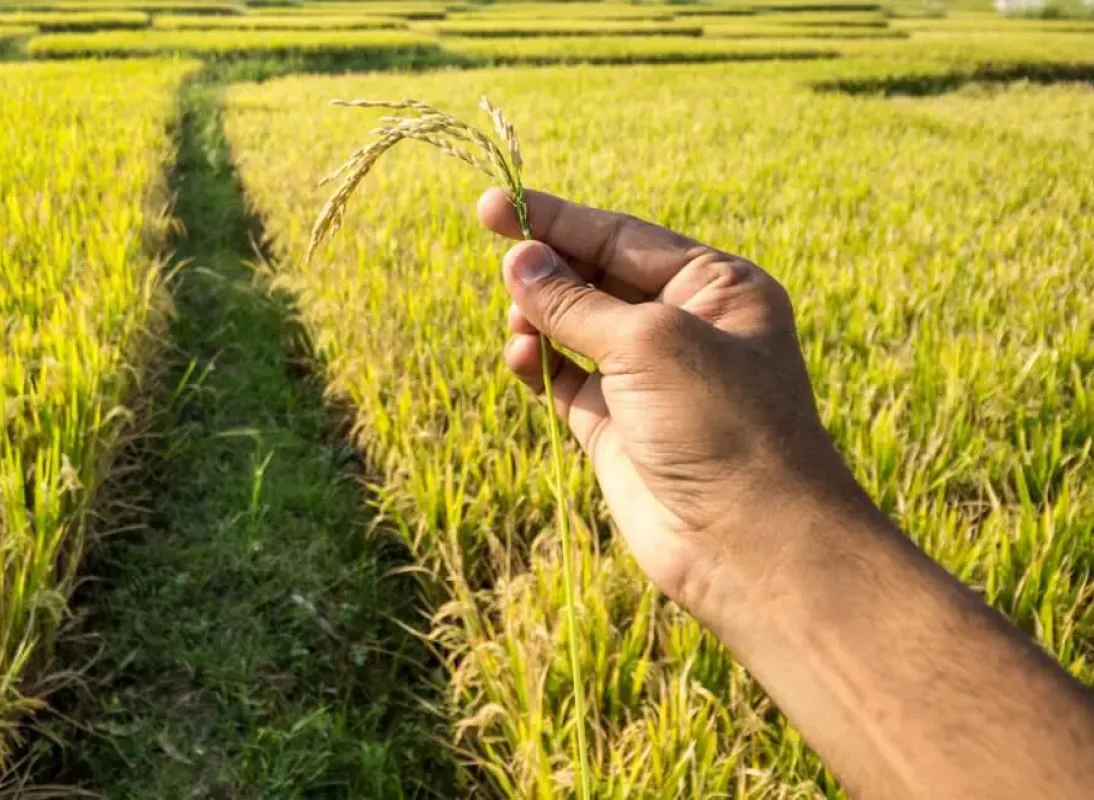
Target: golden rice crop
(754, 28)
(15, 32)
(264, 22)
(518, 28)
(816, 6)
(942, 272)
(994, 22)
(632, 49)
(225, 43)
(404, 9)
(971, 47)
(46, 21)
(203, 6)
(571, 11)
(82, 179)
(850, 19)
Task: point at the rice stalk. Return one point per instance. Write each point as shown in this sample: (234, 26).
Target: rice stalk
(421, 122)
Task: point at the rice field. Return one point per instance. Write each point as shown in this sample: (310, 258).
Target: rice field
(165, 6)
(944, 411)
(48, 21)
(82, 173)
(627, 50)
(270, 22)
(922, 186)
(538, 28)
(735, 30)
(225, 44)
(405, 9)
(9, 32)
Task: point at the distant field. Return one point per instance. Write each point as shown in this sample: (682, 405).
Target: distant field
(514, 28)
(87, 6)
(571, 10)
(996, 23)
(15, 32)
(408, 9)
(624, 50)
(270, 22)
(82, 175)
(224, 43)
(47, 21)
(757, 30)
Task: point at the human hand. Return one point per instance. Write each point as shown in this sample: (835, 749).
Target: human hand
(699, 421)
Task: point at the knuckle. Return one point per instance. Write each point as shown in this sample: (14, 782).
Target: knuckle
(777, 299)
(659, 329)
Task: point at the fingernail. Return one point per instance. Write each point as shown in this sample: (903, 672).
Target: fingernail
(534, 263)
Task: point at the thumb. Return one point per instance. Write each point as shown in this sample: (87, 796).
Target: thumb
(560, 304)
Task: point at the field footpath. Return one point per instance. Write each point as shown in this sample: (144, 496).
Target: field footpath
(253, 640)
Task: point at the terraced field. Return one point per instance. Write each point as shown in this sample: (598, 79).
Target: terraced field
(335, 563)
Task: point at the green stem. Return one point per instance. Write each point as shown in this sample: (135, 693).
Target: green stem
(558, 458)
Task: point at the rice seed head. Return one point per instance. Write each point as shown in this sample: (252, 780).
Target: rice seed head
(506, 131)
(422, 122)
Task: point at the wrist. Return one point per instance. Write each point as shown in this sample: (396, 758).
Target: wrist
(781, 562)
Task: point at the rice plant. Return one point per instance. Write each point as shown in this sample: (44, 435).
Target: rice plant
(82, 174)
(420, 122)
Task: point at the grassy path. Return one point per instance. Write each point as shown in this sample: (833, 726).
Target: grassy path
(249, 645)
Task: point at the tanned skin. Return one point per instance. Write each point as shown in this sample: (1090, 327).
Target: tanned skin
(701, 426)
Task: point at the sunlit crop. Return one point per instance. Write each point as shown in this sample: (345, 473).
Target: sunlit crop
(269, 21)
(512, 28)
(8, 32)
(84, 200)
(46, 21)
(224, 43)
(406, 9)
(631, 49)
(942, 269)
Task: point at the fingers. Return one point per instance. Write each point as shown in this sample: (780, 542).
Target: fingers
(577, 396)
(625, 249)
(555, 301)
(518, 323)
(523, 354)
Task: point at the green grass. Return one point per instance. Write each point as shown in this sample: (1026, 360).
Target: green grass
(250, 632)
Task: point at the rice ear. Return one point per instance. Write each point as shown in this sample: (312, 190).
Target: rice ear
(420, 122)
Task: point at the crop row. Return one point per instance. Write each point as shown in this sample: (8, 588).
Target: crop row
(85, 199)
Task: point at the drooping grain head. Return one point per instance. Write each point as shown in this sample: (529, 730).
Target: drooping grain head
(421, 122)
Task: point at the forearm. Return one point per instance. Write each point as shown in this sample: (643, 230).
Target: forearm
(903, 680)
